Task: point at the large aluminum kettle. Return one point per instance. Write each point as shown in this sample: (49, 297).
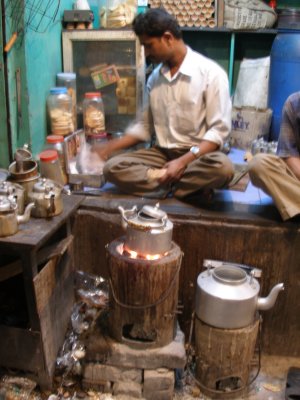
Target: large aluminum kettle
(148, 231)
(9, 218)
(227, 297)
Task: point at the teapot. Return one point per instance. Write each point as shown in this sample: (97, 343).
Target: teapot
(14, 191)
(148, 231)
(227, 297)
(46, 195)
(9, 218)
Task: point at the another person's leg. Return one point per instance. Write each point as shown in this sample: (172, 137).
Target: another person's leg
(271, 174)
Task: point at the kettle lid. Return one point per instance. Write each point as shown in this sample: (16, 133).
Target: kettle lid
(152, 212)
(43, 185)
(5, 204)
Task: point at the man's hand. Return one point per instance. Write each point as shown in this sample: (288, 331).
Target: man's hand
(107, 149)
(175, 168)
(174, 171)
(102, 150)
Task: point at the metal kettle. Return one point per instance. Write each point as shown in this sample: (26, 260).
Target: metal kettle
(14, 192)
(227, 297)
(148, 231)
(47, 198)
(9, 218)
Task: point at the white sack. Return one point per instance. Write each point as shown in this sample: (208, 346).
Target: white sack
(248, 14)
(252, 84)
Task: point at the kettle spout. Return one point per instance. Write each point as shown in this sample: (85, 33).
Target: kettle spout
(25, 217)
(265, 303)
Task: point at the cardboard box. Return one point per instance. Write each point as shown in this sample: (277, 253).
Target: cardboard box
(249, 124)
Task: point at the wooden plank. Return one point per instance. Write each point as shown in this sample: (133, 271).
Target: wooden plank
(220, 12)
(20, 349)
(54, 291)
(10, 270)
(54, 251)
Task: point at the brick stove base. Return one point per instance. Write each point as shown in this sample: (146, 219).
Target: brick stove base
(116, 368)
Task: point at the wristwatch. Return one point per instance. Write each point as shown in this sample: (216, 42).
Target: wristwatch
(195, 150)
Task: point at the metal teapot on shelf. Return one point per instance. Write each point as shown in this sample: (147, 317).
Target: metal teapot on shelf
(9, 218)
(14, 192)
(227, 296)
(47, 198)
(148, 231)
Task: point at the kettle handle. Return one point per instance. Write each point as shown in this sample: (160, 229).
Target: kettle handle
(123, 212)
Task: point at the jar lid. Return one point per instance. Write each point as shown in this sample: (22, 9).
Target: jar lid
(90, 95)
(58, 90)
(54, 138)
(48, 155)
(66, 75)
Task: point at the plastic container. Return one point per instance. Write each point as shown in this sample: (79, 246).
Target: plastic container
(289, 18)
(56, 142)
(50, 167)
(59, 108)
(68, 80)
(284, 75)
(117, 13)
(93, 114)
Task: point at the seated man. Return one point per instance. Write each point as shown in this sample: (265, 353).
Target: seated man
(279, 175)
(187, 111)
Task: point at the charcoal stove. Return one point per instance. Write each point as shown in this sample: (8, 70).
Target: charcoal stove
(144, 279)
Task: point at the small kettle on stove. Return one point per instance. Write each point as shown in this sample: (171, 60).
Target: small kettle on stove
(148, 231)
(46, 195)
(9, 218)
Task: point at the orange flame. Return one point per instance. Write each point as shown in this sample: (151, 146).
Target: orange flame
(133, 254)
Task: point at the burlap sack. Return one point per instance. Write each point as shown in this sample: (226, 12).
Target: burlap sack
(248, 14)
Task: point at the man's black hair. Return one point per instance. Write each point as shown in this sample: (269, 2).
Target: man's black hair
(155, 22)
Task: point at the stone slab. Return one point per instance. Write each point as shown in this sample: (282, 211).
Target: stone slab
(105, 350)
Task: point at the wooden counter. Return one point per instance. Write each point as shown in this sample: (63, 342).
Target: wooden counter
(43, 252)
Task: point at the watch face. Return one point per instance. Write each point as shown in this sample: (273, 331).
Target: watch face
(195, 150)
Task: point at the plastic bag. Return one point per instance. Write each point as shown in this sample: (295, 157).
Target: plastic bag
(252, 84)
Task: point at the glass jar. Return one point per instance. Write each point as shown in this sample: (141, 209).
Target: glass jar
(100, 138)
(50, 167)
(68, 80)
(93, 114)
(59, 107)
(57, 142)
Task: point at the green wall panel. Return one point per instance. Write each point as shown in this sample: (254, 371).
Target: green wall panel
(43, 61)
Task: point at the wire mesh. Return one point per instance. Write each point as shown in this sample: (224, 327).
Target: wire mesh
(36, 15)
